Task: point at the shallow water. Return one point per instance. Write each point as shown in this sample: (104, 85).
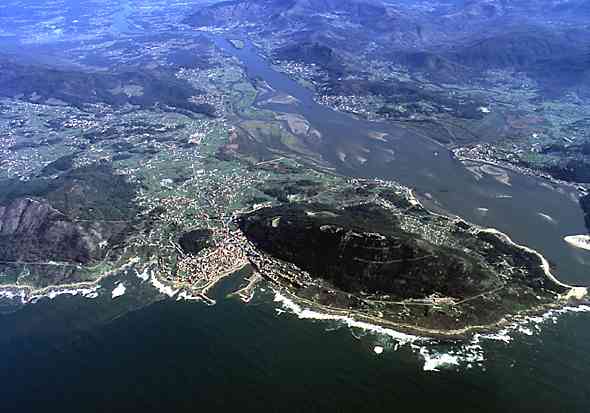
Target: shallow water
(431, 169)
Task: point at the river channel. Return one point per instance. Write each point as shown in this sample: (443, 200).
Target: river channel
(531, 210)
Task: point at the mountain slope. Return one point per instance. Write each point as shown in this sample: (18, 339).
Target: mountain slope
(31, 230)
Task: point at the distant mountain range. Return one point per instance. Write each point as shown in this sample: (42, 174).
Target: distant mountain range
(341, 17)
(544, 38)
(388, 17)
(366, 13)
(43, 84)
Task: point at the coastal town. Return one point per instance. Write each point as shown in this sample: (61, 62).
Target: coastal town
(510, 160)
(208, 267)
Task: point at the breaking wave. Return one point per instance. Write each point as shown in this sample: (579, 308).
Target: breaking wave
(436, 357)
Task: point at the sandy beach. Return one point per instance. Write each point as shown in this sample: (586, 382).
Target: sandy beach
(579, 241)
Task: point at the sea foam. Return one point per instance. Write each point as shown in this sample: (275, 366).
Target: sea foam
(436, 356)
(184, 295)
(118, 291)
(163, 288)
(304, 313)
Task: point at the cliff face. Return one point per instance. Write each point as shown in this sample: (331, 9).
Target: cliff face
(31, 230)
(55, 230)
(362, 249)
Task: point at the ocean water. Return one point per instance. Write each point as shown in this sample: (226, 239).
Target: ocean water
(139, 352)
